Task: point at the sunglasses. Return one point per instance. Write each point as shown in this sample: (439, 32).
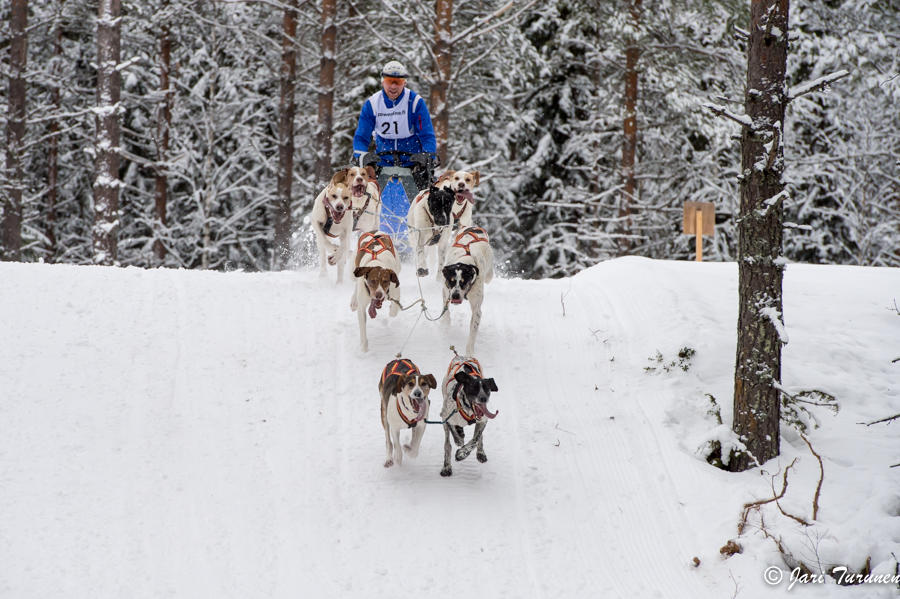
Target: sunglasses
(394, 81)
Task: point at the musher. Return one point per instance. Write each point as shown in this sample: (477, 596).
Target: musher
(399, 120)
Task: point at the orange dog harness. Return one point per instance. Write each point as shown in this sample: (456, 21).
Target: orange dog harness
(470, 236)
(375, 244)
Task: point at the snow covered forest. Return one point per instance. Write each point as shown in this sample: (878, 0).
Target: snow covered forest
(536, 98)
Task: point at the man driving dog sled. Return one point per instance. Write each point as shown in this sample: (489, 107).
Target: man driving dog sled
(399, 121)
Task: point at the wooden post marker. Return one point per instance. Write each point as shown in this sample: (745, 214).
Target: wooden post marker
(699, 220)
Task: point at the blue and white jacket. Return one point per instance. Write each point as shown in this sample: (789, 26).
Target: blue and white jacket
(413, 136)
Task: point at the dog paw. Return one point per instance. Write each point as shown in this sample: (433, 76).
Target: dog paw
(332, 260)
(364, 347)
(389, 463)
(448, 471)
(481, 457)
(422, 272)
(461, 454)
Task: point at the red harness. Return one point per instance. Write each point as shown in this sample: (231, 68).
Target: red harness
(470, 366)
(375, 244)
(474, 234)
(400, 368)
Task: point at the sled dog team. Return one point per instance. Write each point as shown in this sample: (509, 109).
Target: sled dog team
(351, 202)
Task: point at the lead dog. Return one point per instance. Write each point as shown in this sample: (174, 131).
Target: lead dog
(466, 395)
(350, 202)
(404, 404)
(377, 267)
(470, 264)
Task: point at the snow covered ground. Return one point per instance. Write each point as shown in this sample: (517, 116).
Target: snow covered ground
(195, 434)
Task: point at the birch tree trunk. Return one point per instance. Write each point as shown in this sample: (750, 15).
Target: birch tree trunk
(106, 166)
(326, 93)
(629, 141)
(11, 206)
(757, 406)
(443, 52)
(163, 123)
(283, 224)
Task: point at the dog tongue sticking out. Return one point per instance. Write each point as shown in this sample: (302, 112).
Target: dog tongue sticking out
(420, 410)
(373, 306)
(467, 195)
(482, 410)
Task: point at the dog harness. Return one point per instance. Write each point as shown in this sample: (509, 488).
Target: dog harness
(471, 367)
(375, 244)
(400, 368)
(470, 235)
(358, 213)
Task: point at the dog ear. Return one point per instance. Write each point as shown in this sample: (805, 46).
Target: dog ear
(431, 381)
(490, 384)
(461, 377)
(445, 177)
(477, 176)
(401, 380)
(370, 170)
(340, 176)
(476, 271)
(394, 279)
(361, 271)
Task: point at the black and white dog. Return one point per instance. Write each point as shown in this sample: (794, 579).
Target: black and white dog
(404, 404)
(470, 264)
(466, 395)
(429, 220)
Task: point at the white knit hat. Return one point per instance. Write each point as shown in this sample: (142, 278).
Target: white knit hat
(394, 69)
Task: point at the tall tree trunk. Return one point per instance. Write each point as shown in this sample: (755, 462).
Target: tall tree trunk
(109, 87)
(757, 406)
(326, 93)
(210, 189)
(53, 149)
(629, 141)
(283, 224)
(443, 52)
(11, 207)
(164, 121)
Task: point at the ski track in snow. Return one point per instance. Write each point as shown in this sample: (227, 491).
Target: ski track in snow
(194, 434)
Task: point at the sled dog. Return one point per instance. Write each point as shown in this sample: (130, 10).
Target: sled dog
(470, 264)
(350, 202)
(404, 405)
(376, 270)
(466, 395)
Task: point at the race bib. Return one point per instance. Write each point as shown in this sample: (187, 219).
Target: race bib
(391, 123)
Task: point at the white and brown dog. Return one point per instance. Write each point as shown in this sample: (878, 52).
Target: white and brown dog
(351, 202)
(377, 268)
(431, 222)
(404, 405)
(466, 396)
(470, 264)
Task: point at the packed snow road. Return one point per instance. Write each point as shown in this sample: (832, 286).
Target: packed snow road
(192, 434)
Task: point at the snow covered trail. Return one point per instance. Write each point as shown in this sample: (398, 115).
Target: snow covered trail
(195, 434)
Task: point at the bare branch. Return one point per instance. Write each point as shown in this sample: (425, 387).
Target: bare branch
(741, 119)
(821, 477)
(888, 419)
(814, 86)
